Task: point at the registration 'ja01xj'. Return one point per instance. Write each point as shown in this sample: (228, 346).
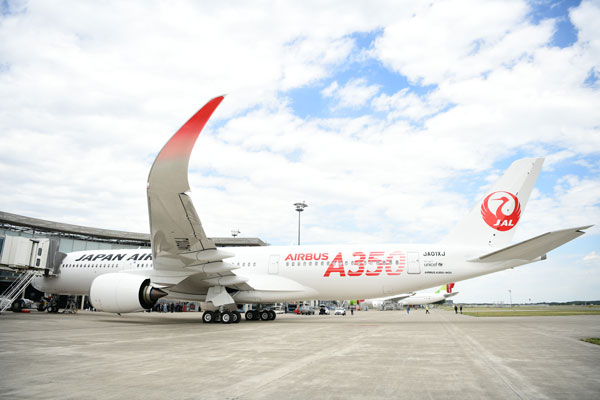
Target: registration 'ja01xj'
(185, 264)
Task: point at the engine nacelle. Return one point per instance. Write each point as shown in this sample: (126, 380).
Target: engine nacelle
(123, 293)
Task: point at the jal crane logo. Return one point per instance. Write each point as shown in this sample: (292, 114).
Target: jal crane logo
(506, 210)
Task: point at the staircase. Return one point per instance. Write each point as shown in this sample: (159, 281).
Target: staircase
(15, 289)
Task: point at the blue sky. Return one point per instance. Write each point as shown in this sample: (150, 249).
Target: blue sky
(391, 122)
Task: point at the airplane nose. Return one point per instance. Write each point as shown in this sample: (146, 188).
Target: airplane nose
(37, 283)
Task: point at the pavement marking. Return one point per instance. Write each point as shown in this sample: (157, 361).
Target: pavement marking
(477, 351)
(253, 384)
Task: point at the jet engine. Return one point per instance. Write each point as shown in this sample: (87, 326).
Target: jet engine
(123, 293)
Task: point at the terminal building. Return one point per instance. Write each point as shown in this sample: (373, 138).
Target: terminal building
(31, 242)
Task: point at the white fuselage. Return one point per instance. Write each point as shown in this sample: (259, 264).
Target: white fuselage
(422, 299)
(324, 272)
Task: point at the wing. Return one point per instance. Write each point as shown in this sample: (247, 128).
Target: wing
(180, 247)
(401, 296)
(396, 297)
(533, 248)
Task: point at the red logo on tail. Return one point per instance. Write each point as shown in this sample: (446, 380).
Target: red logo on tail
(507, 210)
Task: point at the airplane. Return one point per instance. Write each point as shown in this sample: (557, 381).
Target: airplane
(184, 264)
(414, 298)
(440, 295)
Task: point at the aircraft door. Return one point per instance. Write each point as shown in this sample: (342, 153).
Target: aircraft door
(274, 264)
(414, 265)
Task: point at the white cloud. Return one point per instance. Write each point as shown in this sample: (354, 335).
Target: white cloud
(405, 104)
(438, 43)
(592, 257)
(354, 94)
(555, 158)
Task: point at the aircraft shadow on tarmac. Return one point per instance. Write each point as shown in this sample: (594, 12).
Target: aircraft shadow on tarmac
(174, 319)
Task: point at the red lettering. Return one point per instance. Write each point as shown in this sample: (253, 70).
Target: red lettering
(373, 258)
(398, 255)
(360, 261)
(307, 257)
(336, 266)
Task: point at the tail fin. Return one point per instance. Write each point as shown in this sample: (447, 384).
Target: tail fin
(493, 221)
(446, 288)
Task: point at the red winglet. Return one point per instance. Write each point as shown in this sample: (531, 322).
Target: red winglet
(182, 142)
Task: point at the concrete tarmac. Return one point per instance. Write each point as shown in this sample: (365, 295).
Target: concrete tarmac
(371, 355)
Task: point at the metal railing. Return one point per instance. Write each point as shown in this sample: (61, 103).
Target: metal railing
(15, 289)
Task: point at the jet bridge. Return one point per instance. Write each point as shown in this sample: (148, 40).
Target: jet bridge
(27, 257)
(20, 254)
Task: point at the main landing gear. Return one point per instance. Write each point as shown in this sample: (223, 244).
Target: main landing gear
(225, 317)
(261, 315)
(234, 317)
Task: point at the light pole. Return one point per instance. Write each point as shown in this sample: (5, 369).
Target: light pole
(300, 207)
(510, 294)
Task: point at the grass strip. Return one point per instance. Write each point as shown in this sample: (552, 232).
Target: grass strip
(511, 313)
(593, 340)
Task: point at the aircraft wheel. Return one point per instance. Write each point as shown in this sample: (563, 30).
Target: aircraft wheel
(208, 317)
(41, 307)
(272, 315)
(264, 315)
(250, 315)
(16, 306)
(236, 317)
(226, 317)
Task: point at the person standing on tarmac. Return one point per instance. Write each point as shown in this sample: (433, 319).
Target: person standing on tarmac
(426, 309)
(455, 310)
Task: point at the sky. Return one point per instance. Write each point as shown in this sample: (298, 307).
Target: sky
(389, 119)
